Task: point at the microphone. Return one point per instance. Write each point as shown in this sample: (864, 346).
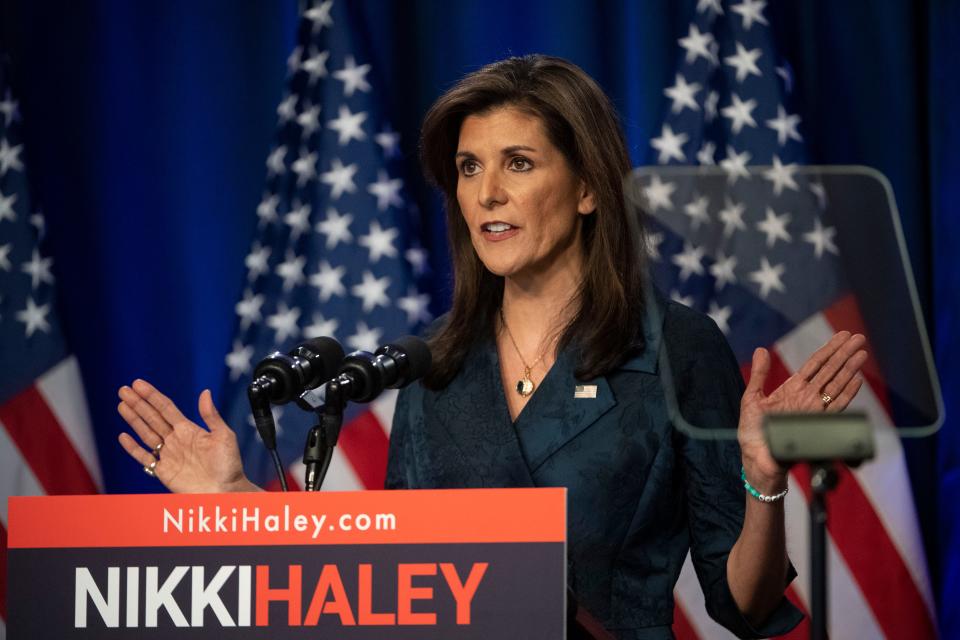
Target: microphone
(362, 376)
(282, 377)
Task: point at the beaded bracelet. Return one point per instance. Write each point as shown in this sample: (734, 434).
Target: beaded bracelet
(756, 494)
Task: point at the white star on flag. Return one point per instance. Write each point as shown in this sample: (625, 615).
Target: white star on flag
(710, 106)
(775, 227)
(256, 261)
(785, 125)
(329, 280)
(353, 77)
(684, 300)
(682, 95)
(320, 15)
(39, 223)
(322, 327)
(821, 238)
(309, 121)
(379, 242)
(720, 315)
(669, 145)
(8, 107)
(10, 157)
(6, 207)
(418, 260)
(658, 194)
(750, 11)
(416, 306)
(249, 309)
(316, 66)
(709, 5)
(348, 125)
(275, 161)
(389, 141)
(34, 317)
(722, 270)
(706, 154)
(696, 209)
(654, 240)
(340, 178)
(739, 113)
(698, 45)
(38, 268)
(768, 277)
(745, 62)
(239, 360)
(305, 167)
(365, 339)
(336, 228)
(291, 270)
(689, 261)
(267, 209)
(781, 176)
(732, 217)
(284, 323)
(298, 220)
(5, 257)
(287, 109)
(373, 291)
(735, 164)
(386, 190)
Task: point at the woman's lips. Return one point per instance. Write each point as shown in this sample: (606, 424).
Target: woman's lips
(498, 231)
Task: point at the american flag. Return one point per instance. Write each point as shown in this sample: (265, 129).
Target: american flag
(752, 241)
(46, 441)
(335, 253)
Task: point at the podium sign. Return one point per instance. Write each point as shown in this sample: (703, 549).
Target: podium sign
(472, 563)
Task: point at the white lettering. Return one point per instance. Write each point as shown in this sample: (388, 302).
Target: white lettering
(252, 519)
(362, 521)
(317, 523)
(272, 523)
(345, 522)
(203, 525)
(300, 523)
(221, 521)
(243, 596)
(177, 522)
(209, 596)
(163, 597)
(386, 522)
(133, 596)
(108, 608)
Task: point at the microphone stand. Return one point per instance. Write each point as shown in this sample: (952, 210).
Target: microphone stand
(322, 437)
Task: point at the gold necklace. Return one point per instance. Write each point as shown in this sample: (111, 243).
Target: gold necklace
(525, 385)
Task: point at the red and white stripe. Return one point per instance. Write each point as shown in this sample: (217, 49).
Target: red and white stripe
(878, 580)
(46, 447)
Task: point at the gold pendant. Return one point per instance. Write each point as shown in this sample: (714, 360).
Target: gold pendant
(525, 385)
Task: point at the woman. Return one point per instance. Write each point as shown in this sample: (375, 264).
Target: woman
(548, 306)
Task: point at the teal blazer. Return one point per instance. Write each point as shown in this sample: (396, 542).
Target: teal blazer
(640, 492)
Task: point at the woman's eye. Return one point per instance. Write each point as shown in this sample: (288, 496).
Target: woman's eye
(520, 164)
(468, 167)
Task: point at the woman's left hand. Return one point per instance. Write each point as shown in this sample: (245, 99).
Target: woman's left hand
(826, 382)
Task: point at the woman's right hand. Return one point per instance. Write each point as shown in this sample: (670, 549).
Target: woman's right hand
(191, 459)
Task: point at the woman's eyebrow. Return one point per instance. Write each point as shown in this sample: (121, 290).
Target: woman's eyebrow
(515, 148)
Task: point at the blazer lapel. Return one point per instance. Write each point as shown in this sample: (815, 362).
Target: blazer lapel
(475, 426)
(557, 413)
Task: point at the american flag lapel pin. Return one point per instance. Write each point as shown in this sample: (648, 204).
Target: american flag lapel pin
(585, 391)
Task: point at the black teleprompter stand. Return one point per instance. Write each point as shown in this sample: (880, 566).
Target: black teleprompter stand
(822, 441)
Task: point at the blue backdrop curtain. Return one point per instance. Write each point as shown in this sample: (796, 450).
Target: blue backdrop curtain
(147, 125)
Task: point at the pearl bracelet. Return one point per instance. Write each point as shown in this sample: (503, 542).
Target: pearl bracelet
(756, 494)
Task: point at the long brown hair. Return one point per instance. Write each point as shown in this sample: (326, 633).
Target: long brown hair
(580, 121)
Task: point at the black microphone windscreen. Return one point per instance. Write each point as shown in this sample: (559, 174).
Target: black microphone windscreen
(418, 355)
(330, 353)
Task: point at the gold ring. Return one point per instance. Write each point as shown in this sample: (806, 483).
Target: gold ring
(827, 399)
(156, 449)
(151, 469)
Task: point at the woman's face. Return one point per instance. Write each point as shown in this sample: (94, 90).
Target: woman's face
(519, 198)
